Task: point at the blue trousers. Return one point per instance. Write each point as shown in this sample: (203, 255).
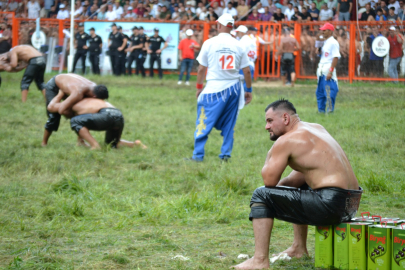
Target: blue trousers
(220, 111)
(186, 64)
(326, 93)
(392, 68)
(252, 73)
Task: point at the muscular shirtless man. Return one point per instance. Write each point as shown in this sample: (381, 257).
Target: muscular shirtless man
(288, 45)
(76, 88)
(4, 64)
(321, 190)
(34, 71)
(95, 114)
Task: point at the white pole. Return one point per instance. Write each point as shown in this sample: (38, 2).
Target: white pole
(72, 24)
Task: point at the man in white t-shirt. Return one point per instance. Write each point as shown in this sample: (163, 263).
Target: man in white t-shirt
(231, 10)
(289, 11)
(33, 9)
(111, 15)
(327, 89)
(325, 14)
(223, 96)
(249, 43)
(118, 9)
(62, 13)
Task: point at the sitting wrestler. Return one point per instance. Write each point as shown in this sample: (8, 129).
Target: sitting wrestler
(76, 88)
(34, 71)
(95, 114)
(321, 190)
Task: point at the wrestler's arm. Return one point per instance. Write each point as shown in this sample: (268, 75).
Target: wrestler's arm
(294, 179)
(54, 105)
(13, 59)
(66, 105)
(276, 162)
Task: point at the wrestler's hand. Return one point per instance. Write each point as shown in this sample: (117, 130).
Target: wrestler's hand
(329, 76)
(198, 93)
(248, 98)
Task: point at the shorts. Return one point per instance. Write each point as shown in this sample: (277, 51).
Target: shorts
(287, 68)
(51, 91)
(324, 206)
(34, 71)
(109, 119)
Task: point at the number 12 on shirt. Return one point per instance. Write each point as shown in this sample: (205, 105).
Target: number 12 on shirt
(226, 61)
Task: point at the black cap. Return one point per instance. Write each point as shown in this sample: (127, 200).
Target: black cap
(81, 24)
(113, 25)
(252, 28)
(119, 27)
(134, 28)
(92, 29)
(140, 28)
(156, 29)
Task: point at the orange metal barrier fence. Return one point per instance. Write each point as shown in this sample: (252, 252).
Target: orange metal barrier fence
(355, 63)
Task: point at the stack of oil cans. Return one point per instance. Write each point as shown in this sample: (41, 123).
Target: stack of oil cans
(365, 243)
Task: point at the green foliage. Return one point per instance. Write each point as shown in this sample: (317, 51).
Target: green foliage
(65, 207)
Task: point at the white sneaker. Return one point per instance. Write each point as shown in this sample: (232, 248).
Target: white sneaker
(179, 82)
(187, 83)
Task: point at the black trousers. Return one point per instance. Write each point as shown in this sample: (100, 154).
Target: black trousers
(80, 54)
(122, 62)
(115, 62)
(95, 63)
(34, 71)
(130, 60)
(155, 57)
(140, 60)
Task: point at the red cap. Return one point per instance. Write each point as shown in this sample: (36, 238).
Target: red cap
(327, 26)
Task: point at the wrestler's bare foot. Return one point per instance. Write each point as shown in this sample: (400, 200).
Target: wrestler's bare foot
(43, 144)
(294, 252)
(96, 147)
(253, 263)
(139, 143)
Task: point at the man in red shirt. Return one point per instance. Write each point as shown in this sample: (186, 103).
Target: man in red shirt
(187, 47)
(395, 41)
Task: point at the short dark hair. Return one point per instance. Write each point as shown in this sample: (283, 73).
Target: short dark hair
(282, 104)
(101, 91)
(392, 8)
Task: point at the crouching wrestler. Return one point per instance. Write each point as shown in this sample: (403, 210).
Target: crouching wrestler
(95, 114)
(321, 190)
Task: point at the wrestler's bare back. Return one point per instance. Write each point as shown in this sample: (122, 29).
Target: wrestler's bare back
(23, 53)
(318, 156)
(69, 83)
(90, 105)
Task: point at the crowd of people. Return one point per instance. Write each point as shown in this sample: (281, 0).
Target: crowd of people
(208, 10)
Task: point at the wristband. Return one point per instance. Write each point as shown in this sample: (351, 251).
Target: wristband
(248, 89)
(331, 69)
(199, 86)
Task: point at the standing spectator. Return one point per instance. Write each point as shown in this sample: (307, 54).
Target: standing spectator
(272, 7)
(47, 5)
(332, 4)
(101, 15)
(123, 53)
(278, 16)
(380, 17)
(5, 38)
(344, 9)
(314, 12)
(93, 13)
(116, 44)
(217, 9)
(377, 63)
(395, 5)
(384, 7)
(52, 13)
(140, 10)
(325, 14)
(401, 10)
(187, 46)
(307, 4)
(203, 14)
(155, 52)
(190, 6)
(391, 15)
(176, 13)
(266, 16)
(212, 16)
(81, 48)
(368, 15)
(297, 15)
(13, 5)
(242, 10)
(254, 16)
(62, 13)
(33, 8)
(118, 9)
(78, 10)
(130, 15)
(231, 10)
(165, 14)
(96, 44)
(396, 53)
(190, 15)
(289, 11)
(199, 8)
(319, 4)
(110, 14)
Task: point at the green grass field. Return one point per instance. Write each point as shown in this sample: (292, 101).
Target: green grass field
(66, 207)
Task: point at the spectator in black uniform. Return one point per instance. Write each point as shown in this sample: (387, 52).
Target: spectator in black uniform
(81, 48)
(142, 51)
(117, 44)
(134, 39)
(155, 51)
(123, 53)
(96, 43)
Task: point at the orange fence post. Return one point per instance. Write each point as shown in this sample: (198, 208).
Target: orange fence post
(15, 34)
(206, 31)
(61, 33)
(297, 35)
(352, 53)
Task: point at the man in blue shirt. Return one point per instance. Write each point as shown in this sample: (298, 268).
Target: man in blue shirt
(314, 12)
(377, 63)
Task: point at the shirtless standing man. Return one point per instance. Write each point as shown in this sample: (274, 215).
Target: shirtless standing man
(321, 190)
(96, 114)
(306, 51)
(34, 71)
(76, 88)
(288, 45)
(344, 45)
